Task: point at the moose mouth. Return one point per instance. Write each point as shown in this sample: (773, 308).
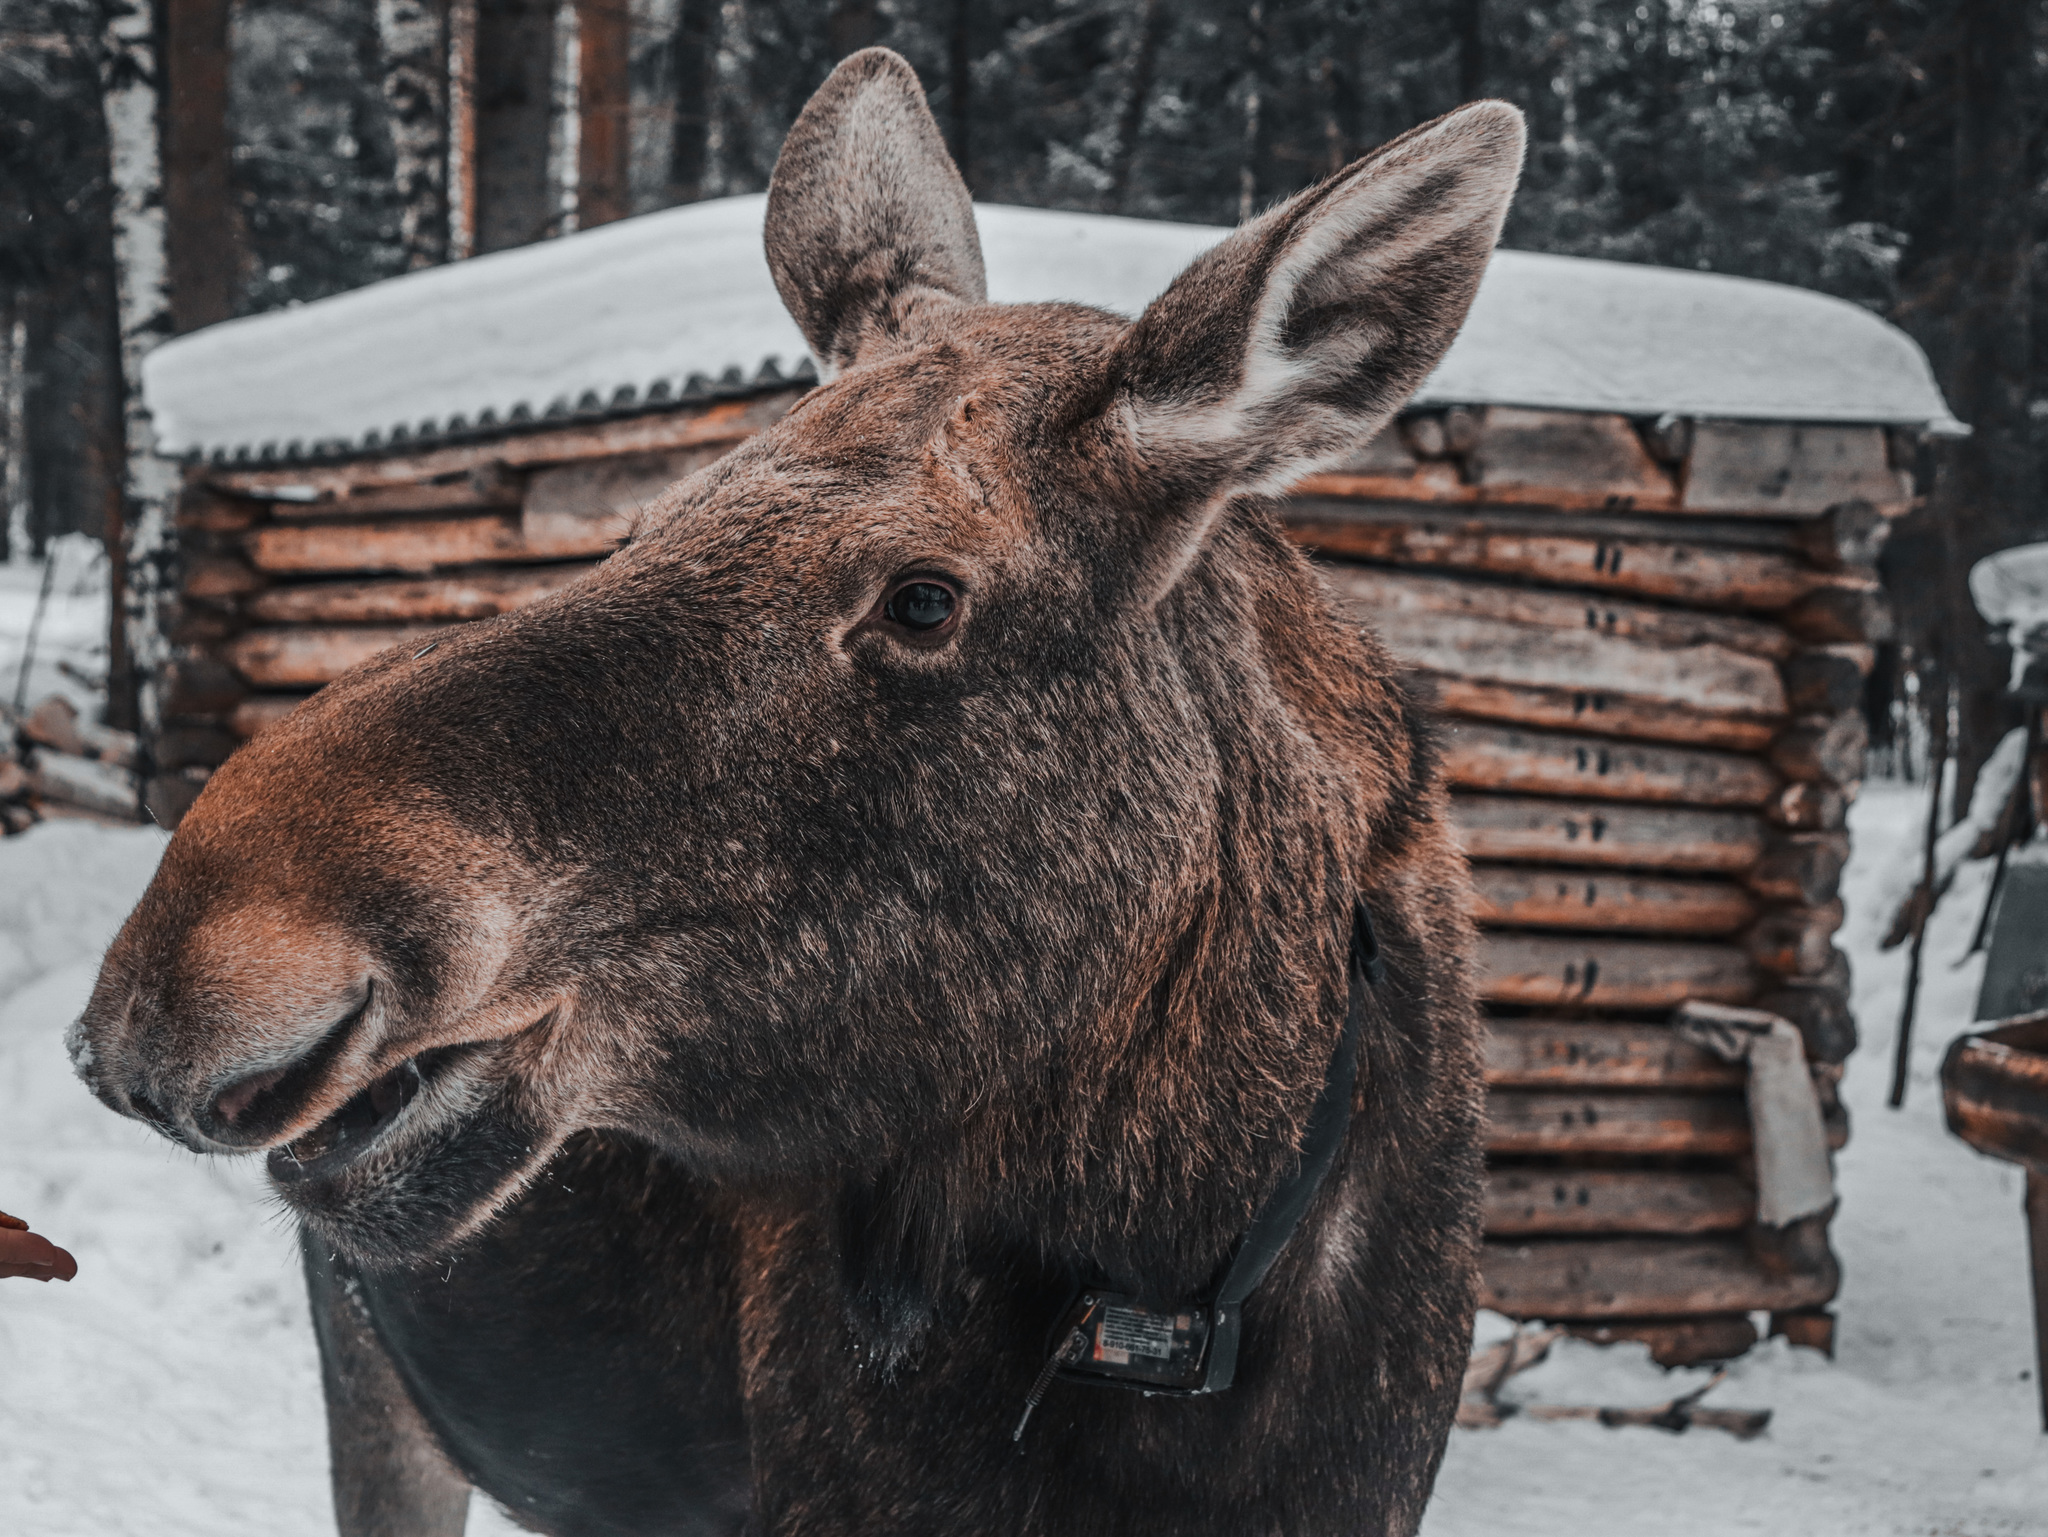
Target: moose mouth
(360, 1124)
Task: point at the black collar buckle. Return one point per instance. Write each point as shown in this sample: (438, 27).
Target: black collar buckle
(1116, 1339)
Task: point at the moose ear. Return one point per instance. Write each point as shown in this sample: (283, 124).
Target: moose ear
(1285, 347)
(867, 215)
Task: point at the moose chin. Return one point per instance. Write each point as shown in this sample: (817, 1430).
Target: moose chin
(929, 992)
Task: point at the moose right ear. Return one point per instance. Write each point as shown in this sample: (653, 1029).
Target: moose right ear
(868, 218)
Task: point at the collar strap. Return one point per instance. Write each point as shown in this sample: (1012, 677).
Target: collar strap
(1112, 1339)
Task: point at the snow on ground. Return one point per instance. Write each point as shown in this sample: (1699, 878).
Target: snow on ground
(71, 642)
(172, 1389)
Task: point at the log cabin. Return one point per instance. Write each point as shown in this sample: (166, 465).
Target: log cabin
(1626, 533)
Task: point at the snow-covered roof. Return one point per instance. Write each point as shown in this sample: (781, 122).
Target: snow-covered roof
(678, 305)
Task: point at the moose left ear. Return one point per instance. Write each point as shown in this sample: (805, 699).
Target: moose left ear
(1285, 347)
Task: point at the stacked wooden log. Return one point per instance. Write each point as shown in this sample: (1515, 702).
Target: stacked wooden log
(54, 763)
(1650, 639)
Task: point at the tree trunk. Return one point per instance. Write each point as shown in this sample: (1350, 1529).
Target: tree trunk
(200, 225)
(1137, 97)
(1986, 500)
(604, 104)
(415, 39)
(515, 53)
(141, 547)
(960, 88)
(695, 83)
(1469, 17)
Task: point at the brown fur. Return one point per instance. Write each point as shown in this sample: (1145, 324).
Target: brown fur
(908, 979)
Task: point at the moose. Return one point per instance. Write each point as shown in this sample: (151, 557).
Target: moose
(713, 1024)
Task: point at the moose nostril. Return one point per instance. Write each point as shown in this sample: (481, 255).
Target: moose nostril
(148, 1109)
(234, 1100)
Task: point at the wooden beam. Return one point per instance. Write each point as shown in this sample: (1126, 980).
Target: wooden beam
(1484, 756)
(1539, 897)
(1790, 469)
(1589, 1054)
(1606, 834)
(1592, 971)
(1676, 1341)
(416, 545)
(1526, 1202)
(1706, 679)
(1674, 569)
(724, 421)
(1622, 715)
(1372, 593)
(1523, 1122)
(1637, 1277)
(488, 486)
(306, 658)
(409, 600)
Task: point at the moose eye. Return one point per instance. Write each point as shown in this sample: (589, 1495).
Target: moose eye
(920, 606)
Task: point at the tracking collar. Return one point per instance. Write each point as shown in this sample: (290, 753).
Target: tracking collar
(1115, 1339)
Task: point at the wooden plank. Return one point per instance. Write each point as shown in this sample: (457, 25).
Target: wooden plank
(417, 545)
(1539, 897)
(1608, 835)
(1373, 592)
(723, 421)
(1592, 1054)
(1674, 569)
(1595, 971)
(1523, 1122)
(1708, 679)
(1483, 756)
(489, 485)
(1677, 1341)
(1621, 715)
(1640, 1277)
(1526, 1202)
(411, 600)
(1790, 469)
(307, 657)
(587, 508)
(259, 712)
(1517, 456)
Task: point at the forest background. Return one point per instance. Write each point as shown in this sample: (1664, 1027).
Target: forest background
(1886, 151)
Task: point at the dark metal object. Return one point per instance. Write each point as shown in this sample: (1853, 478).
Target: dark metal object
(1937, 771)
(1994, 1087)
(2016, 971)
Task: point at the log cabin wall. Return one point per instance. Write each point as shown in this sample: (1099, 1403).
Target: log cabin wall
(1649, 639)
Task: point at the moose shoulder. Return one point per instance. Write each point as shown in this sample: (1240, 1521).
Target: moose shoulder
(918, 891)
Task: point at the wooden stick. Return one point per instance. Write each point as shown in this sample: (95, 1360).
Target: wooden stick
(1640, 1277)
(1484, 756)
(1607, 834)
(1536, 897)
(1937, 771)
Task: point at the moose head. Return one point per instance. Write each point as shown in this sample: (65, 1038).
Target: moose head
(962, 784)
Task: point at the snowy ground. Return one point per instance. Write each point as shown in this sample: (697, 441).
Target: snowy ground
(71, 643)
(172, 1389)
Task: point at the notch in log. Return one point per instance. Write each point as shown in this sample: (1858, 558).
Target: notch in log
(1808, 806)
(1849, 536)
(1832, 615)
(1827, 680)
(1805, 868)
(1795, 941)
(1821, 1013)
(1829, 749)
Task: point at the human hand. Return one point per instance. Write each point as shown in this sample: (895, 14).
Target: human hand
(22, 1253)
